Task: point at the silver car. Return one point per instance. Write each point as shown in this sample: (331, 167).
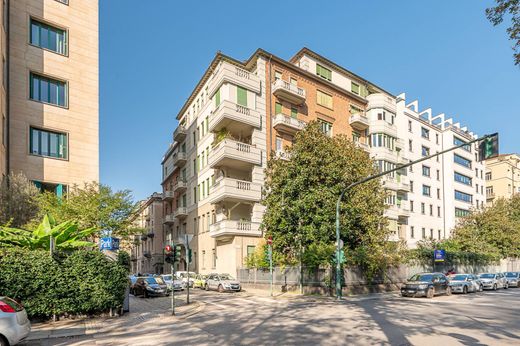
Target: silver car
(14, 324)
(513, 279)
(176, 285)
(493, 281)
(464, 283)
(222, 282)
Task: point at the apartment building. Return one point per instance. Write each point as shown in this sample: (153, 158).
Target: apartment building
(147, 254)
(52, 113)
(502, 176)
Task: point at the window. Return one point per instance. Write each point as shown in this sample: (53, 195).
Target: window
(462, 196)
(489, 191)
(463, 179)
(356, 110)
(423, 232)
(488, 176)
(410, 145)
(277, 75)
(241, 96)
(48, 37)
(457, 141)
(326, 127)
(439, 211)
(411, 206)
(43, 89)
(65, 2)
(425, 171)
(294, 112)
(409, 125)
(425, 151)
(354, 88)
(431, 209)
(382, 140)
(438, 175)
(214, 261)
(461, 212)
(250, 251)
(437, 141)
(438, 193)
(58, 189)
(431, 233)
(217, 98)
(411, 185)
(426, 190)
(277, 108)
(439, 233)
(425, 133)
(324, 99)
(323, 72)
(49, 144)
(278, 144)
(423, 208)
(462, 161)
(412, 232)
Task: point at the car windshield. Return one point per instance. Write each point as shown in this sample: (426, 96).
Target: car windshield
(487, 276)
(226, 277)
(511, 275)
(459, 277)
(150, 280)
(193, 275)
(159, 280)
(167, 277)
(421, 277)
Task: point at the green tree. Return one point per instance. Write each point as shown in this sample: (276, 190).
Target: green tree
(496, 16)
(66, 236)
(301, 196)
(18, 200)
(93, 206)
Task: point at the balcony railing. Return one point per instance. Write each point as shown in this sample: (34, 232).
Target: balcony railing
(233, 117)
(289, 92)
(285, 123)
(362, 145)
(359, 121)
(168, 195)
(179, 134)
(230, 228)
(179, 159)
(169, 219)
(180, 213)
(234, 154)
(226, 72)
(180, 186)
(235, 190)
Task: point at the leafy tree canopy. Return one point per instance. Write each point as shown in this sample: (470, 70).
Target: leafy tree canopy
(496, 16)
(18, 200)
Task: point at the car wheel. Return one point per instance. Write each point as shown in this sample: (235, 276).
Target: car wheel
(207, 287)
(465, 290)
(506, 286)
(430, 293)
(481, 288)
(145, 294)
(494, 287)
(3, 341)
(448, 290)
(220, 288)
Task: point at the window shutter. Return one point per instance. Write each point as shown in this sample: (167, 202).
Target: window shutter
(241, 96)
(277, 108)
(217, 98)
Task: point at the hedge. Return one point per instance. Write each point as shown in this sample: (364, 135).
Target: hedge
(78, 283)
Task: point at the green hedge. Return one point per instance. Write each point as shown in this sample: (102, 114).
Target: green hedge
(82, 282)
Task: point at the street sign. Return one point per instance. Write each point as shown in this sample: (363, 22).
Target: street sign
(109, 243)
(488, 148)
(439, 255)
(269, 240)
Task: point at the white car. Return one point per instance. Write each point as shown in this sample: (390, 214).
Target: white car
(493, 281)
(14, 324)
(176, 285)
(183, 275)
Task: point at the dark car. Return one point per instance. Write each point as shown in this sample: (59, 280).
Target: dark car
(426, 285)
(149, 287)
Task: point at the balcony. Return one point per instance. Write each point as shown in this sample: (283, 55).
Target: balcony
(179, 134)
(383, 153)
(168, 195)
(282, 155)
(235, 190)
(179, 159)
(389, 183)
(180, 186)
(363, 146)
(169, 219)
(289, 92)
(403, 186)
(233, 154)
(490, 195)
(382, 126)
(231, 228)
(284, 123)
(227, 73)
(380, 100)
(359, 121)
(234, 117)
(180, 213)
(392, 212)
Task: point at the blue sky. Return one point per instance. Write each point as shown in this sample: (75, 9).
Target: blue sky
(152, 53)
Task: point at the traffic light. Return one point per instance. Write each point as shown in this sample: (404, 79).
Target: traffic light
(488, 148)
(341, 257)
(168, 254)
(176, 253)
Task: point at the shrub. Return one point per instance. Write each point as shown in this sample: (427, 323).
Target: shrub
(81, 282)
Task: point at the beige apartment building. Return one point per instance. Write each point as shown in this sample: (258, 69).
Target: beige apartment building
(502, 176)
(52, 111)
(147, 254)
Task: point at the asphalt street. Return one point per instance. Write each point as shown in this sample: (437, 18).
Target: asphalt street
(488, 318)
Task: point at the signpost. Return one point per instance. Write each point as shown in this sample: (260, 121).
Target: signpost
(270, 244)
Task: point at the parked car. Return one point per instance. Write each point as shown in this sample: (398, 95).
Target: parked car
(187, 277)
(200, 281)
(172, 284)
(513, 279)
(493, 281)
(149, 286)
(222, 282)
(464, 283)
(14, 324)
(427, 285)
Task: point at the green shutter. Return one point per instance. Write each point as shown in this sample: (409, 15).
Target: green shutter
(277, 108)
(241, 96)
(294, 112)
(217, 98)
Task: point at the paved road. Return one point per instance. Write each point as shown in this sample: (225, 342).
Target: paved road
(489, 318)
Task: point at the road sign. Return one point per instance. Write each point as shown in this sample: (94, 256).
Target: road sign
(439, 255)
(269, 240)
(109, 243)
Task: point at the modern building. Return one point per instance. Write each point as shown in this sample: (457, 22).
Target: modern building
(502, 176)
(51, 82)
(147, 254)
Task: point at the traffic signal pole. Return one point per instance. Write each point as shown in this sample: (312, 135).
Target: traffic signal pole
(490, 145)
(173, 289)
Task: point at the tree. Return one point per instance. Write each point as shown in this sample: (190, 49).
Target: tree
(66, 236)
(496, 16)
(301, 196)
(93, 206)
(18, 200)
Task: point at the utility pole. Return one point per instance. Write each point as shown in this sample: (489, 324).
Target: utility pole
(270, 244)
(488, 148)
(173, 290)
(188, 260)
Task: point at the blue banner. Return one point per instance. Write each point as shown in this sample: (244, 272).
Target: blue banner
(109, 243)
(439, 255)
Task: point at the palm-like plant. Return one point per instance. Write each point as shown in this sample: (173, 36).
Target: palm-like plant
(66, 236)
